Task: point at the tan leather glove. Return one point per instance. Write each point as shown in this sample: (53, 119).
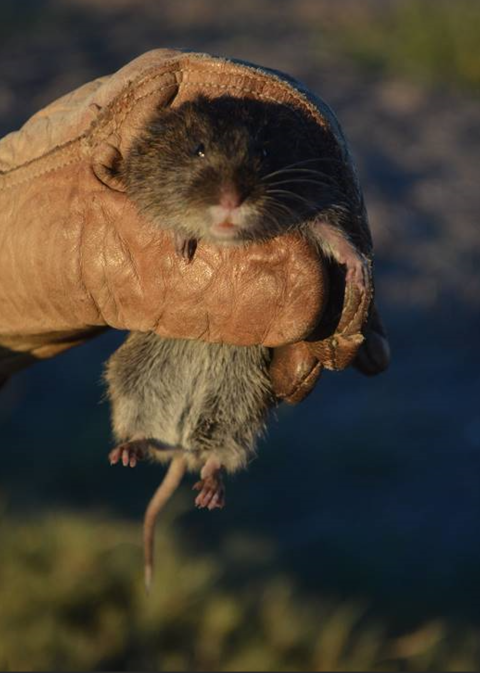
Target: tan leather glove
(76, 258)
(296, 368)
(95, 263)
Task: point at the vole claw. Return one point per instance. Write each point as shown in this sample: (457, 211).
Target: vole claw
(185, 247)
(129, 453)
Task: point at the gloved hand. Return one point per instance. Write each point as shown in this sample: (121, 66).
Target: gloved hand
(99, 264)
(76, 258)
(296, 368)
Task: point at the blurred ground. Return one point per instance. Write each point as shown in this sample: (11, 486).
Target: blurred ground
(368, 490)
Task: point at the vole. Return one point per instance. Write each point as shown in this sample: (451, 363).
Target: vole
(227, 171)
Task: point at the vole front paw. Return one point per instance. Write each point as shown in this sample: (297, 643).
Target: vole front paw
(336, 243)
(129, 453)
(185, 247)
(357, 271)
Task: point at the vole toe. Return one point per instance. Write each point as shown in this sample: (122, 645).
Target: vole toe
(212, 493)
(212, 490)
(129, 453)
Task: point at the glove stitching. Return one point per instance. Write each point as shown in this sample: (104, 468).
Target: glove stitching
(304, 383)
(99, 124)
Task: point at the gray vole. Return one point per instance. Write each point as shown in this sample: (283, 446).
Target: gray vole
(228, 171)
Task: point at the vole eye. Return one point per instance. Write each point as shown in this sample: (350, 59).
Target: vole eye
(199, 150)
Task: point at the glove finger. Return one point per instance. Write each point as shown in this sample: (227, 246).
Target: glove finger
(294, 371)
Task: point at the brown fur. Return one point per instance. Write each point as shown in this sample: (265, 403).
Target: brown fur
(209, 401)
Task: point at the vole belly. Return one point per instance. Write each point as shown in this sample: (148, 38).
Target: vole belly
(186, 395)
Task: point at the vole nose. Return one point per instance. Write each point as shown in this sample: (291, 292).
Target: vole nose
(230, 197)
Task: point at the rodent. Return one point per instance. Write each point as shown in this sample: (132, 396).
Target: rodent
(228, 171)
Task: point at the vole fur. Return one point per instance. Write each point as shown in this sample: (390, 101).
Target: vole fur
(227, 171)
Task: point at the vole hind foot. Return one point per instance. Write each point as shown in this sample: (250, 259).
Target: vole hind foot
(212, 493)
(129, 453)
(212, 490)
(185, 247)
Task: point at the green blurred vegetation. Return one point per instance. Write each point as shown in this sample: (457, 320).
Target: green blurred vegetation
(433, 41)
(72, 598)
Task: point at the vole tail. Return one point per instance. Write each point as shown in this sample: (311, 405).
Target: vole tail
(170, 483)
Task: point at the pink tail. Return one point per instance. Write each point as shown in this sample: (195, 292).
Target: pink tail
(169, 485)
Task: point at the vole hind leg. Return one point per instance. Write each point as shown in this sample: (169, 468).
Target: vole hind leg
(211, 487)
(335, 243)
(129, 453)
(135, 450)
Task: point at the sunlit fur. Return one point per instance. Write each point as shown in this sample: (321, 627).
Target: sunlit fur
(280, 183)
(198, 397)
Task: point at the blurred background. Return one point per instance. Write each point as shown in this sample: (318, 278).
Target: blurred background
(352, 542)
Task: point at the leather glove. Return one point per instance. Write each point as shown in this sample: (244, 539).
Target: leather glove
(76, 258)
(95, 263)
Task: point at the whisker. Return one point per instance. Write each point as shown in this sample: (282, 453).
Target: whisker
(340, 206)
(329, 191)
(283, 225)
(305, 161)
(281, 207)
(308, 161)
(301, 181)
(303, 170)
(292, 194)
(300, 171)
(271, 218)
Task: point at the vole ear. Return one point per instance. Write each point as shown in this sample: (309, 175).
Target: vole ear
(106, 164)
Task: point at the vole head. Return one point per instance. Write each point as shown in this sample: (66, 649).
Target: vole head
(227, 170)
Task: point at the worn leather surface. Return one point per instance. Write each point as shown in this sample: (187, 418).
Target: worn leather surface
(76, 257)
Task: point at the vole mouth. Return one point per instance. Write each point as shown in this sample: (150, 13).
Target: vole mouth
(227, 224)
(225, 230)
